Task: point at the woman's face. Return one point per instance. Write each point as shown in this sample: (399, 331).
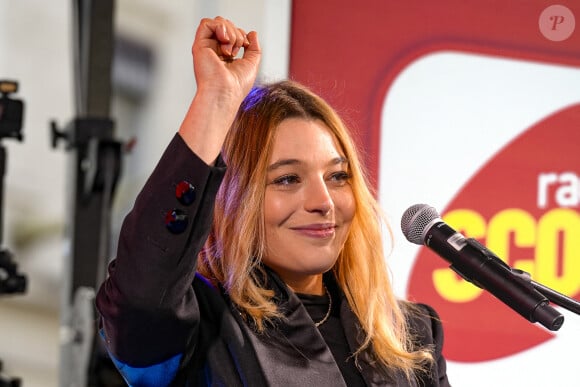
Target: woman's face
(308, 205)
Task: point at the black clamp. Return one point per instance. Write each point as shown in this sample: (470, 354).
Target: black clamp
(99, 153)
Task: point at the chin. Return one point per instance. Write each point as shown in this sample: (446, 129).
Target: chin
(323, 267)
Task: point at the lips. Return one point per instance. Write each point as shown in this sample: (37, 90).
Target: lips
(325, 230)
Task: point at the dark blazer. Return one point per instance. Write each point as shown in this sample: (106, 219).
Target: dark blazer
(158, 316)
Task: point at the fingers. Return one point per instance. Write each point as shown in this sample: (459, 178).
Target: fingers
(230, 39)
(240, 41)
(214, 51)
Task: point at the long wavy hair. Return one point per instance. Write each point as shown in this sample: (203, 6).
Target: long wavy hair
(233, 251)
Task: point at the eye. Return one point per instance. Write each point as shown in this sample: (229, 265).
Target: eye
(340, 177)
(286, 180)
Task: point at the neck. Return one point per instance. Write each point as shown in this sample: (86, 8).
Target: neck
(310, 285)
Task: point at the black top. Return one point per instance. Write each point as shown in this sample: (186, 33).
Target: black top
(333, 333)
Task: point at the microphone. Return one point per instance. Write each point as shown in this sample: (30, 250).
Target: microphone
(421, 224)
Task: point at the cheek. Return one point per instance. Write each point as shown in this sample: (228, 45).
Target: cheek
(346, 205)
(277, 208)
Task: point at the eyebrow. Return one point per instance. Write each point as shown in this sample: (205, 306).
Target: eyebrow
(284, 162)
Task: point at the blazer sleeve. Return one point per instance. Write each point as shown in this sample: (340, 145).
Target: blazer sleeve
(147, 305)
(427, 328)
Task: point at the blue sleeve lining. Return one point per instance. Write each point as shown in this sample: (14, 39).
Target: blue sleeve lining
(156, 375)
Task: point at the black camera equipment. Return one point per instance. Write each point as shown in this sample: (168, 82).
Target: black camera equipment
(11, 113)
(11, 282)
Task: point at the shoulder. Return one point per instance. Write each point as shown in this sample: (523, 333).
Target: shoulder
(424, 325)
(426, 332)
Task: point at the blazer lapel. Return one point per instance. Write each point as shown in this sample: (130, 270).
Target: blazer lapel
(292, 350)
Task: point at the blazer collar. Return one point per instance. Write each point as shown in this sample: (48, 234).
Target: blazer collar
(299, 332)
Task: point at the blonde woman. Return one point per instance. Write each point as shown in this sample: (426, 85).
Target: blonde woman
(253, 255)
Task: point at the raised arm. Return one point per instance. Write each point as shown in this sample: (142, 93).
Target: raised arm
(147, 304)
(222, 84)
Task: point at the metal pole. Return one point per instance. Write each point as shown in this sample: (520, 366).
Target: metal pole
(94, 168)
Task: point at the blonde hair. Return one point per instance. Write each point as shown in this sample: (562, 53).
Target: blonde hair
(233, 251)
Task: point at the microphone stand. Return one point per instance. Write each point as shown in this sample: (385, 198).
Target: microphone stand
(557, 298)
(552, 295)
(543, 312)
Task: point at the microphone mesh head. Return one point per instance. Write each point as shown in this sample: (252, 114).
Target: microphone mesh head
(415, 221)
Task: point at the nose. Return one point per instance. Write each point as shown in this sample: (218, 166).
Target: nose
(318, 198)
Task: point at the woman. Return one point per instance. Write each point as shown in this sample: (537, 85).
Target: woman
(264, 267)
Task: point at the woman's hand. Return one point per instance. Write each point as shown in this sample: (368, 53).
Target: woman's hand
(223, 81)
(217, 70)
